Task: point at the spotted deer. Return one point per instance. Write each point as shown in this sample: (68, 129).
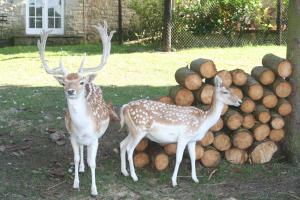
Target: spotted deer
(87, 115)
(164, 123)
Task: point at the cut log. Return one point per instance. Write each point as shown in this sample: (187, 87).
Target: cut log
(142, 145)
(283, 107)
(206, 68)
(277, 122)
(218, 126)
(204, 94)
(211, 158)
(263, 74)
(141, 159)
(249, 121)
(222, 141)
(159, 159)
(236, 156)
(262, 114)
(263, 152)
(242, 138)
(199, 151)
(280, 66)
(239, 77)
(248, 105)
(166, 99)
(207, 140)
(181, 96)
(237, 91)
(261, 131)
(188, 78)
(269, 99)
(170, 149)
(282, 88)
(224, 75)
(277, 135)
(253, 88)
(225, 109)
(233, 119)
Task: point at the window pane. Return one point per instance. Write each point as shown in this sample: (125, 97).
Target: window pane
(57, 22)
(31, 22)
(50, 22)
(31, 11)
(50, 12)
(39, 23)
(39, 11)
(57, 12)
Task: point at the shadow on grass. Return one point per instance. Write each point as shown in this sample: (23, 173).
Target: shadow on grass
(90, 49)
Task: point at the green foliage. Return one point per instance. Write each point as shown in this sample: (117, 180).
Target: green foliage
(148, 21)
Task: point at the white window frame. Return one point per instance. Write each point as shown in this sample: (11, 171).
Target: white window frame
(36, 31)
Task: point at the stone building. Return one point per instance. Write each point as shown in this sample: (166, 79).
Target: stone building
(71, 21)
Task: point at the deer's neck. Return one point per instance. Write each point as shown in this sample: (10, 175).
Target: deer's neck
(78, 110)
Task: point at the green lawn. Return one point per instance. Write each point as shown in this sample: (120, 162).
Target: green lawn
(32, 101)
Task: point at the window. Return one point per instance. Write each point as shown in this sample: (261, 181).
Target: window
(44, 14)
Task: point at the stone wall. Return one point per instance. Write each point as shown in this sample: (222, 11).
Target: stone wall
(80, 16)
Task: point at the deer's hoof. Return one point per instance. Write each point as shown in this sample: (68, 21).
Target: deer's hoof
(76, 184)
(125, 173)
(195, 179)
(94, 192)
(81, 168)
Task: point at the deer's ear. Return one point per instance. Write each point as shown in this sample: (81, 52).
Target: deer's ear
(218, 81)
(60, 80)
(90, 77)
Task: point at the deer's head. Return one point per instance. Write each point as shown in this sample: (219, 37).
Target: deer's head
(224, 94)
(74, 83)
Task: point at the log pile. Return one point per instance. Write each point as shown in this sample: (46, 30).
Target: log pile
(249, 133)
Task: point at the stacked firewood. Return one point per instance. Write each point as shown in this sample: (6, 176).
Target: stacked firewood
(250, 132)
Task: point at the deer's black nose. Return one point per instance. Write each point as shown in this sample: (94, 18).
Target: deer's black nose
(71, 92)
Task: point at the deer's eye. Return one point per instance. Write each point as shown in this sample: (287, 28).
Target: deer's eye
(225, 92)
(62, 84)
(82, 82)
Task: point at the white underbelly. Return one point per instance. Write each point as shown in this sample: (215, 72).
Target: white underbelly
(161, 133)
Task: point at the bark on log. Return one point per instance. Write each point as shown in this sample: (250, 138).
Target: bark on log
(188, 78)
(236, 156)
(181, 96)
(282, 88)
(222, 141)
(141, 159)
(262, 114)
(166, 99)
(277, 122)
(211, 158)
(233, 119)
(237, 91)
(207, 140)
(277, 135)
(253, 88)
(142, 145)
(239, 77)
(249, 121)
(280, 66)
(263, 152)
(263, 74)
(242, 138)
(283, 107)
(269, 99)
(206, 68)
(248, 105)
(218, 126)
(261, 131)
(204, 94)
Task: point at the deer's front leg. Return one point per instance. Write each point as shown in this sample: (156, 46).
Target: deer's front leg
(75, 147)
(179, 153)
(81, 165)
(92, 153)
(191, 148)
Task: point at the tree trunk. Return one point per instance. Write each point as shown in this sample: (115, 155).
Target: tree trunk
(249, 121)
(279, 66)
(253, 88)
(263, 74)
(292, 140)
(283, 107)
(120, 22)
(160, 160)
(236, 156)
(208, 139)
(263, 152)
(199, 151)
(188, 78)
(277, 122)
(166, 99)
(181, 96)
(262, 114)
(142, 145)
(204, 94)
(261, 131)
(222, 141)
(233, 119)
(277, 135)
(218, 126)
(269, 99)
(171, 149)
(242, 138)
(204, 67)
(237, 91)
(239, 77)
(211, 158)
(248, 105)
(167, 33)
(141, 159)
(282, 88)
(279, 22)
(224, 75)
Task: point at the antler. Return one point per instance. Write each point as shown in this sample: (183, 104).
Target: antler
(105, 38)
(41, 44)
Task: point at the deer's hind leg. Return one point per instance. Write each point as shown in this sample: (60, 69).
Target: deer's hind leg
(123, 146)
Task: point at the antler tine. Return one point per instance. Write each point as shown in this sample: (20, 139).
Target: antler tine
(106, 43)
(41, 44)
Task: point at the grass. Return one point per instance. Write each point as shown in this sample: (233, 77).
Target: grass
(31, 101)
